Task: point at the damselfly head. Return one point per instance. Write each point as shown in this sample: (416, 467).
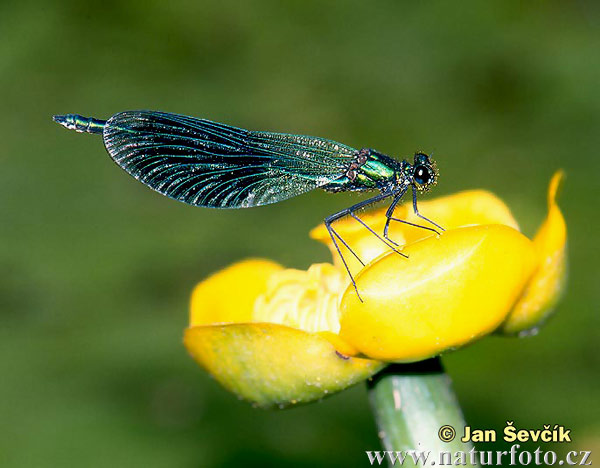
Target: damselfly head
(424, 172)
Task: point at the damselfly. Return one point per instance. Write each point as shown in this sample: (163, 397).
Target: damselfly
(205, 163)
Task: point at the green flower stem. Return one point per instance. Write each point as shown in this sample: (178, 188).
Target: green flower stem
(411, 402)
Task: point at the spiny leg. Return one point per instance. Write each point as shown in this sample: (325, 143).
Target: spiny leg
(391, 246)
(390, 212)
(351, 212)
(413, 224)
(414, 197)
(333, 234)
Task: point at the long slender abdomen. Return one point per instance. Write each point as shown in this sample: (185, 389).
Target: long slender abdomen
(80, 124)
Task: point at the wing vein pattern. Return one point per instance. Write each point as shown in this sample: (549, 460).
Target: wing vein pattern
(206, 163)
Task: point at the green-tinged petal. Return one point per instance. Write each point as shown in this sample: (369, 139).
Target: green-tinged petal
(274, 365)
(547, 284)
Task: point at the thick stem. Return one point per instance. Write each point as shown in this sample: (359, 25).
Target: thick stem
(411, 403)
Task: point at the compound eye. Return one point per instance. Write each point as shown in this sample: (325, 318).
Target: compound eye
(422, 175)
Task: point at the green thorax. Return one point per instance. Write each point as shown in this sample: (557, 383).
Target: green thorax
(375, 173)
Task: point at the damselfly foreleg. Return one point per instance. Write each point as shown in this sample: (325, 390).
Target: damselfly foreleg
(390, 212)
(390, 216)
(414, 197)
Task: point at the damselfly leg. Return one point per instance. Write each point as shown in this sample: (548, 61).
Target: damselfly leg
(352, 212)
(390, 216)
(416, 210)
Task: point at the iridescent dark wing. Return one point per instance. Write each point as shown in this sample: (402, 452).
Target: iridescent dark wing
(205, 163)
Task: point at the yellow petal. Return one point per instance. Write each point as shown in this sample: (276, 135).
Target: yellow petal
(229, 295)
(471, 207)
(450, 291)
(274, 365)
(547, 283)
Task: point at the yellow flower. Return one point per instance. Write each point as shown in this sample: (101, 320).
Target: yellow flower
(278, 336)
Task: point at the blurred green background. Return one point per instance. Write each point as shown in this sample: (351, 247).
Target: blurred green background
(96, 270)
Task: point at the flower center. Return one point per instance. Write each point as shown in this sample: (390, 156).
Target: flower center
(307, 300)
